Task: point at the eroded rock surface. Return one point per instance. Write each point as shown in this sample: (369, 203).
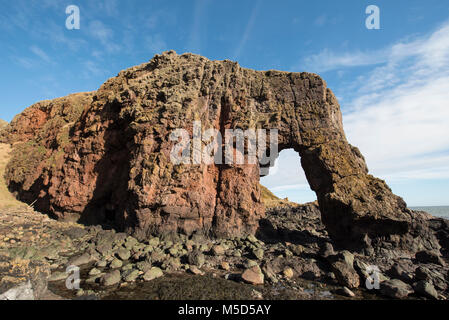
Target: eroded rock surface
(110, 161)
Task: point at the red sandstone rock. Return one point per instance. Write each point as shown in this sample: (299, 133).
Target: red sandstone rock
(111, 162)
(253, 275)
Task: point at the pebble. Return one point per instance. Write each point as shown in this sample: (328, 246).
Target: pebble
(253, 275)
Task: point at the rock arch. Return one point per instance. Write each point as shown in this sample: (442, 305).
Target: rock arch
(117, 155)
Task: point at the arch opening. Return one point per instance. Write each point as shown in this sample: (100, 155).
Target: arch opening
(287, 179)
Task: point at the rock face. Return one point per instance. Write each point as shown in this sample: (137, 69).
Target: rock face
(107, 157)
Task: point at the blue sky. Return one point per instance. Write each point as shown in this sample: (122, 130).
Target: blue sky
(392, 83)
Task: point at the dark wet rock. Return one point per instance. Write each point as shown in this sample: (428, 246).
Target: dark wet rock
(297, 249)
(427, 256)
(423, 273)
(327, 250)
(402, 271)
(309, 268)
(432, 275)
(345, 274)
(345, 256)
(395, 289)
(362, 268)
(426, 289)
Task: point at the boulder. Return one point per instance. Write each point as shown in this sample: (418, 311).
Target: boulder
(196, 258)
(111, 278)
(395, 288)
(253, 275)
(345, 274)
(124, 254)
(153, 273)
(427, 256)
(258, 253)
(426, 289)
(218, 250)
(131, 276)
(85, 258)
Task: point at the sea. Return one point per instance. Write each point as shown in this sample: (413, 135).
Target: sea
(440, 211)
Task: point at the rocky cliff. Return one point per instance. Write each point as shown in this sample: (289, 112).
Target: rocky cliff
(104, 157)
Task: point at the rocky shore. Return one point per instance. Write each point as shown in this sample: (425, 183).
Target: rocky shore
(291, 257)
(202, 230)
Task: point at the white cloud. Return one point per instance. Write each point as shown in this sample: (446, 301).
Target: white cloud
(91, 68)
(399, 116)
(327, 60)
(397, 112)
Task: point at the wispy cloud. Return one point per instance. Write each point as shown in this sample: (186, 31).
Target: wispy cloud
(155, 43)
(431, 51)
(40, 53)
(248, 29)
(91, 68)
(327, 60)
(321, 20)
(104, 34)
(24, 62)
(196, 31)
(109, 7)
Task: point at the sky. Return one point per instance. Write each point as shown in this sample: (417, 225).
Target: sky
(392, 83)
